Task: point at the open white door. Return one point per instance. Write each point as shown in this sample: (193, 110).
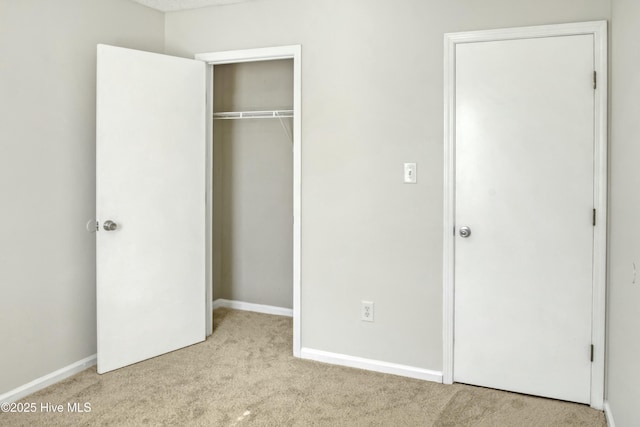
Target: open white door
(150, 179)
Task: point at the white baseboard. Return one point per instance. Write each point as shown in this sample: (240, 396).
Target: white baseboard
(47, 380)
(608, 415)
(248, 306)
(371, 365)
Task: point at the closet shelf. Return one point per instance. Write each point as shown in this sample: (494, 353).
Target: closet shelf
(234, 115)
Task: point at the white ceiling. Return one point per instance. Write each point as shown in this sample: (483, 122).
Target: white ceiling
(172, 5)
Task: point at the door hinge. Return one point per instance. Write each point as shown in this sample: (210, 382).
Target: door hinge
(592, 351)
(594, 217)
(595, 79)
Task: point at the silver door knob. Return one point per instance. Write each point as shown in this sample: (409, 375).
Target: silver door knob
(465, 231)
(110, 225)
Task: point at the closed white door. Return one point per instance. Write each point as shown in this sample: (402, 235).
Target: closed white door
(524, 167)
(150, 160)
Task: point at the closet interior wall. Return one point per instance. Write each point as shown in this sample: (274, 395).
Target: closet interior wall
(253, 185)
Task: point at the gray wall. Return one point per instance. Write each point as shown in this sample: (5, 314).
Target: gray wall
(623, 358)
(372, 99)
(47, 174)
(253, 186)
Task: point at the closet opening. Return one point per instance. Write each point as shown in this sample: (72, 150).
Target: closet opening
(253, 182)
(254, 168)
(252, 224)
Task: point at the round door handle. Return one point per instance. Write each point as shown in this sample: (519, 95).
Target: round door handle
(465, 232)
(110, 225)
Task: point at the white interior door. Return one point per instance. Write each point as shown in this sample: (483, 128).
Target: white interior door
(524, 186)
(150, 181)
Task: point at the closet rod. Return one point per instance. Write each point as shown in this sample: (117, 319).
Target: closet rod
(231, 115)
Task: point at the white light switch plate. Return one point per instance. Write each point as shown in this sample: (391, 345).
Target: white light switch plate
(410, 173)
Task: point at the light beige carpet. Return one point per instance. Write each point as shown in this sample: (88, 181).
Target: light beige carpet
(245, 375)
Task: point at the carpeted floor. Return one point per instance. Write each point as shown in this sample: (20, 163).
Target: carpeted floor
(245, 375)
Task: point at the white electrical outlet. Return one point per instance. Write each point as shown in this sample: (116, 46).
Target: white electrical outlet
(366, 313)
(410, 173)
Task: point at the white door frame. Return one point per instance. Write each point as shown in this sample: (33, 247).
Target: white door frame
(253, 55)
(599, 31)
